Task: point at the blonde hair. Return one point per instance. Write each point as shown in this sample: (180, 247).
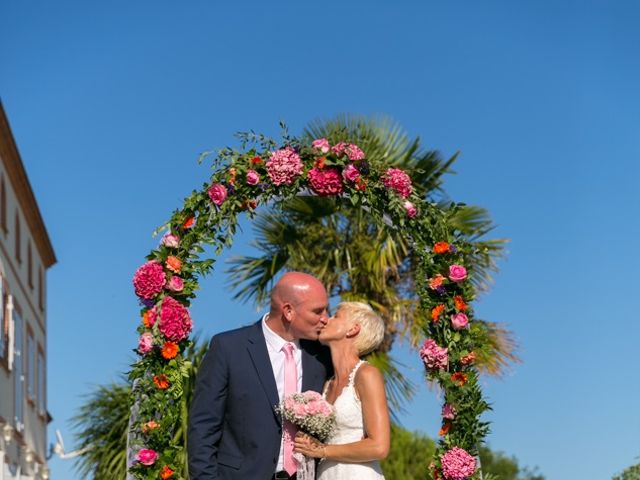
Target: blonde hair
(371, 325)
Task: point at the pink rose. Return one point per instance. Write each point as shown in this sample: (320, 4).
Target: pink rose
(459, 321)
(146, 456)
(253, 177)
(217, 193)
(176, 284)
(171, 240)
(448, 412)
(354, 152)
(321, 144)
(411, 209)
(351, 173)
(457, 273)
(145, 344)
(299, 409)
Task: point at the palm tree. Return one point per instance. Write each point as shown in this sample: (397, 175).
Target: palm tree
(357, 259)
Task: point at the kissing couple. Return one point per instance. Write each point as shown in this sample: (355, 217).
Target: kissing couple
(235, 430)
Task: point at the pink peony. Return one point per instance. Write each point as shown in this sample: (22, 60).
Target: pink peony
(434, 356)
(146, 456)
(457, 273)
(283, 166)
(325, 182)
(457, 464)
(411, 209)
(171, 240)
(176, 284)
(448, 412)
(311, 395)
(145, 344)
(300, 410)
(397, 180)
(351, 173)
(175, 322)
(353, 152)
(321, 144)
(253, 177)
(459, 321)
(149, 280)
(217, 193)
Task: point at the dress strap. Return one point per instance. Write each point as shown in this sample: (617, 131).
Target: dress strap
(352, 375)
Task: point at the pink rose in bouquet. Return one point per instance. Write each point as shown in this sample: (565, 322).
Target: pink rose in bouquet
(459, 321)
(448, 412)
(321, 144)
(309, 412)
(217, 193)
(147, 457)
(253, 177)
(145, 344)
(457, 273)
(171, 240)
(176, 284)
(351, 173)
(410, 208)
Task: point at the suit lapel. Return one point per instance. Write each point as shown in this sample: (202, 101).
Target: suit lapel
(257, 347)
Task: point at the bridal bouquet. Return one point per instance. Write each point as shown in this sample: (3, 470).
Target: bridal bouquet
(313, 415)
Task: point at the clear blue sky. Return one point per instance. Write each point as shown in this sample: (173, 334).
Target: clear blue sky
(111, 103)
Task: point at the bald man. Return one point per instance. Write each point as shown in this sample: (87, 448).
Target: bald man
(234, 430)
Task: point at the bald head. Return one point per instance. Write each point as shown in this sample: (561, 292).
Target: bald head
(299, 306)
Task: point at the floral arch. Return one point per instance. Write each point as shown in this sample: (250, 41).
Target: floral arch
(264, 171)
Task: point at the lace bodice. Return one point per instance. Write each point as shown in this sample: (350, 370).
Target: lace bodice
(349, 428)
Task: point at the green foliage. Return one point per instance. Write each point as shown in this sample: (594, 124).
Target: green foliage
(629, 473)
(409, 456)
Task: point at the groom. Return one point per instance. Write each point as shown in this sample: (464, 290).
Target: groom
(234, 431)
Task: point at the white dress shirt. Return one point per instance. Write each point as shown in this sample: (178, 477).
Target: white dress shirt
(274, 346)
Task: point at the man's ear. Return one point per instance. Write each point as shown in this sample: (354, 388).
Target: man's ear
(287, 310)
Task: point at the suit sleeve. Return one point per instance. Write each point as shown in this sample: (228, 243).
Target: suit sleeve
(206, 415)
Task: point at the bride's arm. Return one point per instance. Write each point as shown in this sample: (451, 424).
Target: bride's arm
(375, 446)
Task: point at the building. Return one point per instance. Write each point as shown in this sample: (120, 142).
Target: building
(25, 255)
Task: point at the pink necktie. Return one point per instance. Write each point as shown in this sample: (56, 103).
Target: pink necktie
(290, 386)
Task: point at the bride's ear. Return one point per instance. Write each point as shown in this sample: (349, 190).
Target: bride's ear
(354, 330)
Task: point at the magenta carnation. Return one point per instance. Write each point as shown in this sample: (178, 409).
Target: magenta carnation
(147, 457)
(398, 180)
(354, 152)
(326, 181)
(434, 356)
(217, 193)
(175, 322)
(457, 464)
(283, 166)
(149, 280)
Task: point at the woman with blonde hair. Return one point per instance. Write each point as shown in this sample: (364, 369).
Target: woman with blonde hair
(361, 436)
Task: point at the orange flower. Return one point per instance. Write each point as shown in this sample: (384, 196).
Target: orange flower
(161, 381)
(150, 425)
(233, 173)
(445, 429)
(436, 312)
(460, 305)
(169, 350)
(174, 264)
(361, 184)
(146, 319)
(468, 359)
(460, 378)
(436, 281)
(256, 160)
(189, 222)
(441, 247)
(319, 163)
(166, 472)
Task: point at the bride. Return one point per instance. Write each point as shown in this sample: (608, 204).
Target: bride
(361, 435)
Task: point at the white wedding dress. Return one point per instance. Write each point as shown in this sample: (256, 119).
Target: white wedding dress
(349, 428)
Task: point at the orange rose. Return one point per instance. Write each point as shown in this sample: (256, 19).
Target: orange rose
(319, 163)
(460, 305)
(441, 247)
(166, 472)
(436, 281)
(189, 222)
(436, 312)
(460, 378)
(445, 429)
(468, 359)
(161, 381)
(150, 425)
(174, 264)
(169, 350)
(146, 319)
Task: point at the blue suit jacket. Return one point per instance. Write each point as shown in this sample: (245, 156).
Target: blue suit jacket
(234, 431)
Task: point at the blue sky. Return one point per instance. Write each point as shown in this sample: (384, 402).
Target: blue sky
(111, 103)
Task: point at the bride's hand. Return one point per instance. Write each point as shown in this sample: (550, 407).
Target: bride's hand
(308, 446)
